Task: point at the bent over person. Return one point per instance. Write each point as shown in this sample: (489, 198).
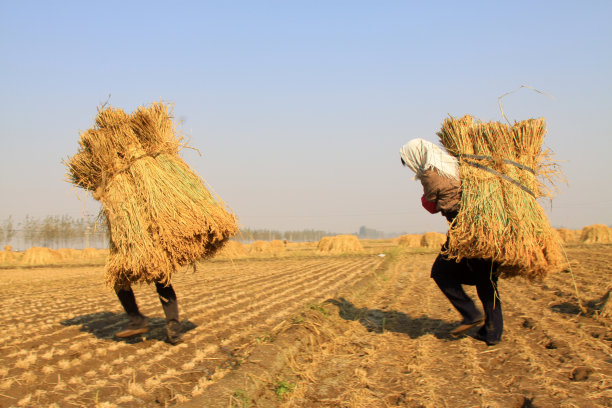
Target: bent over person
(160, 214)
(438, 172)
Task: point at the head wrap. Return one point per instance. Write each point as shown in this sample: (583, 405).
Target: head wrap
(421, 155)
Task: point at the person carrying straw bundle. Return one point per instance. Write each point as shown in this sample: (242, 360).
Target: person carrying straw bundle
(438, 172)
(160, 214)
(486, 184)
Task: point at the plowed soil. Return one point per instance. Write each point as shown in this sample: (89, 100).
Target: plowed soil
(306, 331)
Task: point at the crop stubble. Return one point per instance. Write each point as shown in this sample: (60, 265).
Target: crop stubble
(383, 343)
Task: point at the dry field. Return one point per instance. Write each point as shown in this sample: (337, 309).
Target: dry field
(306, 330)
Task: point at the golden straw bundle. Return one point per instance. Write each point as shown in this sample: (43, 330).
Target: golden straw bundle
(503, 171)
(596, 234)
(433, 240)
(159, 212)
(340, 244)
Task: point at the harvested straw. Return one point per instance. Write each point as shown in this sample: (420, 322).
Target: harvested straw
(596, 234)
(8, 248)
(503, 171)
(340, 244)
(9, 257)
(68, 254)
(267, 247)
(432, 240)
(40, 256)
(231, 250)
(569, 236)
(160, 215)
(409, 240)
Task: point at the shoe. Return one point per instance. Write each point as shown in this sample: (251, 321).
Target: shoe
(465, 326)
(490, 342)
(482, 337)
(137, 325)
(174, 330)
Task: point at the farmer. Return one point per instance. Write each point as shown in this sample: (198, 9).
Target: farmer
(439, 174)
(138, 322)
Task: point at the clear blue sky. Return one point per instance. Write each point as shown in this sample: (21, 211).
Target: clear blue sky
(300, 107)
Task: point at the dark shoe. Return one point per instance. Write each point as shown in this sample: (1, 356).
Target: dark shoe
(465, 327)
(137, 325)
(174, 330)
(490, 342)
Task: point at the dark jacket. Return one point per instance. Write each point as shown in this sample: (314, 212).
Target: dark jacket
(442, 190)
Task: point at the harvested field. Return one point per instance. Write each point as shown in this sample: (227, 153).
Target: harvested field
(306, 331)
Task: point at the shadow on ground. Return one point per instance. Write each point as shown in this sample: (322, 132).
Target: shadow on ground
(377, 320)
(104, 325)
(591, 307)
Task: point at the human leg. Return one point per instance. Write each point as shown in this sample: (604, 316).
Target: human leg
(138, 323)
(167, 297)
(486, 287)
(448, 276)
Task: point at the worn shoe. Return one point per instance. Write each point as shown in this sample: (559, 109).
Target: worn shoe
(137, 325)
(457, 331)
(490, 342)
(174, 330)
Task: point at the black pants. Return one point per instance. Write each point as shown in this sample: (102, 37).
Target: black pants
(450, 275)
(167, 297)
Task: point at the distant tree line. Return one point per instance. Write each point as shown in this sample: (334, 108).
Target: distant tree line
(67, 232)
(54, 232)
(249, 235)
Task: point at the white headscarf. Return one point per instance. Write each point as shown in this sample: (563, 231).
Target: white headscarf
(421, 155)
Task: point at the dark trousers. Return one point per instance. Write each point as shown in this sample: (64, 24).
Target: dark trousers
(167, 297)
(450, 275)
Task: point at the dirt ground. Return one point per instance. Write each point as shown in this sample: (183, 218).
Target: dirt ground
(306, 331)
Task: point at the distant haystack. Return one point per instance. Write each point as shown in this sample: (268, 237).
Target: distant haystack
(232, 249)
(433, 240)
(9, 257)
(340, 244)
(8, 248)
(296, 246)
(68, 254)
(569, 236)
(409, 240)
(40, 256)
(596, 234)
(267, 247)
(91, 253)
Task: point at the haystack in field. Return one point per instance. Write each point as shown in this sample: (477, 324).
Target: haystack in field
(8, 248)
(160, 214)
(433, 240)
(232, 249)
(569, 236)
(340, 244)
(9, 257)
(267, 247)
(409, 240)
(596, 234)
(68, 254)
(503, 172)
(40, 256)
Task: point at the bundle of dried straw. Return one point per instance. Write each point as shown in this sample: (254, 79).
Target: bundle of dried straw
(503, 171)
(159, 212)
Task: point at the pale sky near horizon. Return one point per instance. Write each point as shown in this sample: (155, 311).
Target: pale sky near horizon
(299, 108)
